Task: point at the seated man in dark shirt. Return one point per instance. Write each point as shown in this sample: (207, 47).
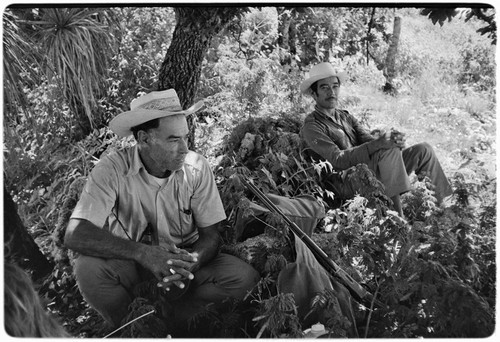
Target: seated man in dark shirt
(336, 136)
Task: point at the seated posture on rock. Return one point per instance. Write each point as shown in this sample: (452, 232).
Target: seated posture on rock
(153, 208)
(336, 136)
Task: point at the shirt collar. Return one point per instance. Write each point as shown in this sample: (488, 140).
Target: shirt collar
(136, 164)
(323, 112)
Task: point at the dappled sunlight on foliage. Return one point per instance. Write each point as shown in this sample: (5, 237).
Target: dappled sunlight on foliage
(435, 269)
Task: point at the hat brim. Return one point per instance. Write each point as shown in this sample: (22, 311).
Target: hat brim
(122, 123)
(305, 86)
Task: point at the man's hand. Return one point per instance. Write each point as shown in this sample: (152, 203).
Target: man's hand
(384, 142)
(178, 277)
(398, 138)
(181, 264)
(169, 264)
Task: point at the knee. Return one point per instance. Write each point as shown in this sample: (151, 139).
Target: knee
(389, 155)
(91, 271)
(249, 277)
(87, 267)
(424, 150)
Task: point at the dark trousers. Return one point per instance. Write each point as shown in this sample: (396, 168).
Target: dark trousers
(107, 284)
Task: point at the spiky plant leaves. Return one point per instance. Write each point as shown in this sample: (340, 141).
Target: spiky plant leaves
(20, 64)
(77, 43)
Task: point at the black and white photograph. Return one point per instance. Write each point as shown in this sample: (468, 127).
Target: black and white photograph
(284, 170)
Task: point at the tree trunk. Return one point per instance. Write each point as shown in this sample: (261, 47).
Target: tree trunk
(390, 61)
(368, 35)
(19, 246)
(292, 38)
(285, 19)
(181, 68)
(83, 124)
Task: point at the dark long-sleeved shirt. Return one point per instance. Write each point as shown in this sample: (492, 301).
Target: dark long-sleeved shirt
(340, 139)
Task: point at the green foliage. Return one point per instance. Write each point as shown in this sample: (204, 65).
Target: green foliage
(436, 270)
(439, 15)
(335, 322)
(250, 151)
(337, 32)
(256, 33)
(478, 67)
(93, 64)
(420, 203)
(60, 291)
(47, 173)
(144, 36)
(19, 64)
(226, 320)
(377, 247)
(148, 326)
(279, 316)
(419, 270)
(486, 14)
(437, 54)
(75, 41)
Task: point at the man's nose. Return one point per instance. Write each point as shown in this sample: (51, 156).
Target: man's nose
(184, 145)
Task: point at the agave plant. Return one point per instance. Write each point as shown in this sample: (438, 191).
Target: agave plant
(77, 43)
(19, 64)
(75, 46)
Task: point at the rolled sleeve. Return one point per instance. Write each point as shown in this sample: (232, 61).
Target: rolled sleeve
(98, 196)
(206, 202)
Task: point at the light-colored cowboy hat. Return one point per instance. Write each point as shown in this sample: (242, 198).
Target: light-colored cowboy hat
(156, 104)
(318, 72)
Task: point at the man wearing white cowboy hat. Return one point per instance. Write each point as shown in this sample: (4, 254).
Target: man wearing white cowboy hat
(154, 207)
(335, 135)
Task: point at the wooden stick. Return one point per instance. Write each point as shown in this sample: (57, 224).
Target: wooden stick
(132, 321)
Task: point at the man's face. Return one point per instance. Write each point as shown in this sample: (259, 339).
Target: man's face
(167, 146)
(327, 92)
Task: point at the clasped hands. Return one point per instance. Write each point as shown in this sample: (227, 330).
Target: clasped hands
(171, 265)
(392, 136)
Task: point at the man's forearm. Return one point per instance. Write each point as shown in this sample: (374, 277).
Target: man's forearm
(207, 246)
(85, 238)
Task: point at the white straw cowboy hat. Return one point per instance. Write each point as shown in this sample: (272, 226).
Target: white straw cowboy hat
(318, 72)
(156, 104)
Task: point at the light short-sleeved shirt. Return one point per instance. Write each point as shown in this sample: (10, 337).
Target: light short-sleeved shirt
(120, 192)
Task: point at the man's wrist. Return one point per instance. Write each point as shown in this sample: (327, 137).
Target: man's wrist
(140, 253)
(372, 146)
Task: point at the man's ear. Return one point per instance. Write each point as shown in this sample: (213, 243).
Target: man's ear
(142, 137)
